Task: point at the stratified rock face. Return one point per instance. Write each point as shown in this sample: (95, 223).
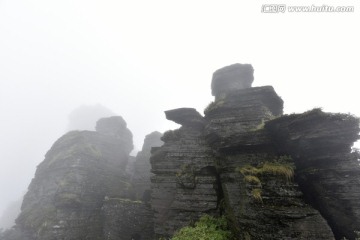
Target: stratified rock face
(232, 78)
(275, 177)
(64, 199)
(266, 205)
(186, 117)
(142, 168)
(261, 205)
(241, 111)
(185, 184)
(128, 220)
(327, 171)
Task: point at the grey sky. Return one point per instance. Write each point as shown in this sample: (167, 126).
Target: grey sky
(140, 58)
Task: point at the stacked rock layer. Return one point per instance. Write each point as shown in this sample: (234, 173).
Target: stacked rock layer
(274, 176)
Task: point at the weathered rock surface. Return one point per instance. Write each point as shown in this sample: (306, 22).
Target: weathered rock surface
(186, 117)
(232, 78)
(185, 184)
(273, 176)
(327, 171)
(142, 168)
(268, 207)
(126, 219)
(116, 127)
(293, 177)
(239, 112)
(64, 199)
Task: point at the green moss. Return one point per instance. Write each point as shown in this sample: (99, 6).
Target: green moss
(207, 228)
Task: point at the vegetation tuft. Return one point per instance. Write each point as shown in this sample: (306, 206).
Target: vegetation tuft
(207, 228)
(252, 179)
(280, 167)
(214, 105)
(256, 193)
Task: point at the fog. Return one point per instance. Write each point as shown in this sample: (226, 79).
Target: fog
(137, 59)
(86, 116)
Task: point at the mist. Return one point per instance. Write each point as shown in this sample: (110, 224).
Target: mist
(64, 64)
(86, 116)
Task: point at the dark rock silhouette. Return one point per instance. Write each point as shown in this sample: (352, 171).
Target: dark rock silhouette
(274, 176)
(185, 185)
(186, 117)
(327, 171)
(126, 219)
(82, 175)
(142, 168)
(231, 78)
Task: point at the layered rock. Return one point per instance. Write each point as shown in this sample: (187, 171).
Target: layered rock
(261, 202)
(142, 168)
(262, 205)
(185, 184)
(126, 219)
(273, 176)
(268, 176)
(327, 171)
(64, 199)
(241, 111)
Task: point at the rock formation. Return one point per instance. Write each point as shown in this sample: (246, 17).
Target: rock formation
(127, 219)
(327, 171)
(273, 176)
(82, 177)
(185, 184)
(142, 168)
(231, 78)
